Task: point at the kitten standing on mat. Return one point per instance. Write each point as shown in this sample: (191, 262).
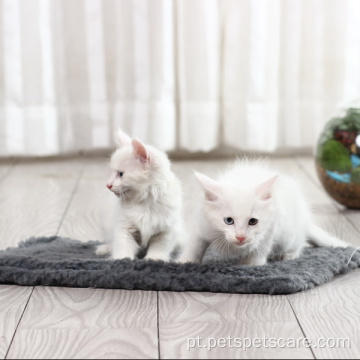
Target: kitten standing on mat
(148, 214)
(256, 214)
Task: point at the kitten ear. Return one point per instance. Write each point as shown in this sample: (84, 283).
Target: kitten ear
(211, 187)
(140, 151)
(122, 139)
(264, 190)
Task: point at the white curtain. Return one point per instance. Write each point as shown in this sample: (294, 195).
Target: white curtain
(193, 75)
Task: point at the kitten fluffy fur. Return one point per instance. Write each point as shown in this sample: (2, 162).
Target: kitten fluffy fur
(148, 214)
(256, 214)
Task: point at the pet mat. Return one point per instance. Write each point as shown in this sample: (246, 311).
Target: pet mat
(56, 261)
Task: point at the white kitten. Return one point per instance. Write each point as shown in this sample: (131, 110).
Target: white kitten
(255, 214)
(149, 204)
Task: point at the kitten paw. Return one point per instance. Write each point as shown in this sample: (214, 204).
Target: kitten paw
(157, 258)
(128, 257)
(290, 256)
(258, 261)
(188, 259)
(103, 250)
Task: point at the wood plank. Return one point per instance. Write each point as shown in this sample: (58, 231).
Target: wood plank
(209, 307)
(92, 204)
(5, 168)
(75, 308)
(132, 315)
(13, 300)
(87, 323)
(331, 311)
(215, 316)
(34, 198)
(245, 340)
(84, 344)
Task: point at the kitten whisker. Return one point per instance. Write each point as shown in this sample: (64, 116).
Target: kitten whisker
(221, 247)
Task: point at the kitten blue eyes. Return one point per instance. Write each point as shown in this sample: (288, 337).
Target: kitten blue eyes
(121, 174)
(229, 221)
(253, 221)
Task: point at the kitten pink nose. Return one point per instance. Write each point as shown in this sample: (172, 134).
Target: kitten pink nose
(241, 238)
(109, 186)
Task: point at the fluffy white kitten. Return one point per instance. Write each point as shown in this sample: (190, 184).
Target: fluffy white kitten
(255, 214)
(148, 213)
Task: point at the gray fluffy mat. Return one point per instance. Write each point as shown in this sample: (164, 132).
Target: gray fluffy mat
(56, 261)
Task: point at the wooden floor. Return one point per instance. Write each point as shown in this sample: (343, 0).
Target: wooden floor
(69, 198)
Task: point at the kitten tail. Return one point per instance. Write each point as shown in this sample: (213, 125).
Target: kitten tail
(319, 237)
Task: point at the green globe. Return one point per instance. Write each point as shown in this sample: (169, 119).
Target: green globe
(338, 158)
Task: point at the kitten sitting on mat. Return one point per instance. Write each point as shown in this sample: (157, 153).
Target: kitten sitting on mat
(149, 205)
(255, 214)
